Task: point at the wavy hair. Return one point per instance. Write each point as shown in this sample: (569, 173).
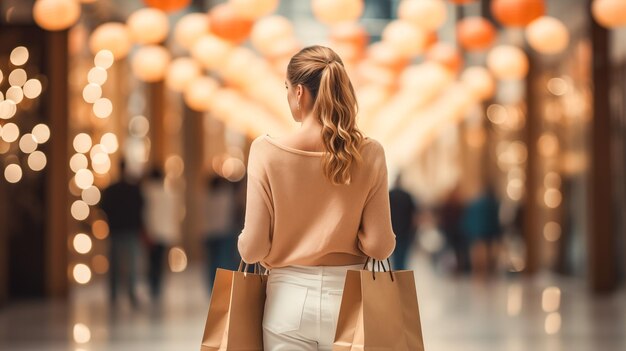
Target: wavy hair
(321, 71)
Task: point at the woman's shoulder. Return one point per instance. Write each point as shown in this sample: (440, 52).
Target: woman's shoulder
(372, 147)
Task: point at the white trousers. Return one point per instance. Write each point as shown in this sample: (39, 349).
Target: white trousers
(301, 307)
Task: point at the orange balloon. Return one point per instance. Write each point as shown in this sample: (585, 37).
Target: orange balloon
(517, 13)
(384, 55)
(431, 39)
(475, 33)
(227, 24)
(446, 55)
(350, 33)
(168, 5)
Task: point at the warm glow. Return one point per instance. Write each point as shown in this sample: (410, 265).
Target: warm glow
(552, 231)
(552, 180)
(552, 198)
(54, 15)
(41, 132)
(92, 92)
(100, 264)
(102, 108)
(190, 28)
(32, 88)
(336, 11)
(548, 145)
(138, 126)
(174, 166)
(514, 300)
(101, 163)
(507, 62)
(97, 76)
(13, 173)
(428, 14)
(109, 142)
(406, 39)
(553, 323)
(97, 149)
(7, 108)
(515, 189)
(148, 26)
(78, 162)
(496, 113)
(547, 35)
(37, 161)
(82, 273)
(17, 77)
(82, 243)
(177, 259)
(233, 169)
(19, 56)
(100, 229)
(104, 59)
(15, 94)
(551, 299)
(80, 210)
(82, 143)
(10, 132)
(84, 178)
(91, 195)
(82, 334)
(181, 72)
(28, 143)
(558, 86)
(111, 37)
(150, 63)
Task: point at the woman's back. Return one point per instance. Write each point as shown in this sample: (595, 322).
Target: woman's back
(307, 220)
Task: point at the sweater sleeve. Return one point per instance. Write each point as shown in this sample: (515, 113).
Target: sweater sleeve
(376, 237)
(255, 239)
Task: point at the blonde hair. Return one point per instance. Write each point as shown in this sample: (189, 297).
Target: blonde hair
(321, 71)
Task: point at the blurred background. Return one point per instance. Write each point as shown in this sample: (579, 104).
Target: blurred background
(125, 127)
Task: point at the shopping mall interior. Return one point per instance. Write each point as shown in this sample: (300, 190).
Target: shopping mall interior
(503, 120)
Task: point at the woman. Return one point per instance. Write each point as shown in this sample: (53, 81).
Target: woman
(317, 205)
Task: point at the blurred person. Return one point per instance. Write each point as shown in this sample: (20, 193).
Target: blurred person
(122, 202)
(404, 223)
(481, 224)
(450, 215)
(317, 204)
(162, 222)
(220, 226)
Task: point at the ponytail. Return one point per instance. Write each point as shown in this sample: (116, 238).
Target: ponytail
(321, 70)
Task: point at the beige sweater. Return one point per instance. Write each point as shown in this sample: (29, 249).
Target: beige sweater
(296, 216)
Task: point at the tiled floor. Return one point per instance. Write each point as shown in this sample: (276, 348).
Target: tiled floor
(509, 314)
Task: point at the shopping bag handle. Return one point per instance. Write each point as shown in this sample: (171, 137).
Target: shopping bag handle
(381, 264)
(243, 268)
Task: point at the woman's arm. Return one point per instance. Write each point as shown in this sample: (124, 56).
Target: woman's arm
(255, 239)
(376, 237)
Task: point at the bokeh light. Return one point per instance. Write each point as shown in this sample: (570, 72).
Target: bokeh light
(27, 143)
(41, 132)
(81, 332)
(13, 173)
(177, 259)
(91, 195)
(102, 108)
(84, 178)
(82, 143)
(82, 274)
(19, 56)
(78, 162)
(100, 229)
(79, 210)
(32, 88)
(37, 161)
(82, 243)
